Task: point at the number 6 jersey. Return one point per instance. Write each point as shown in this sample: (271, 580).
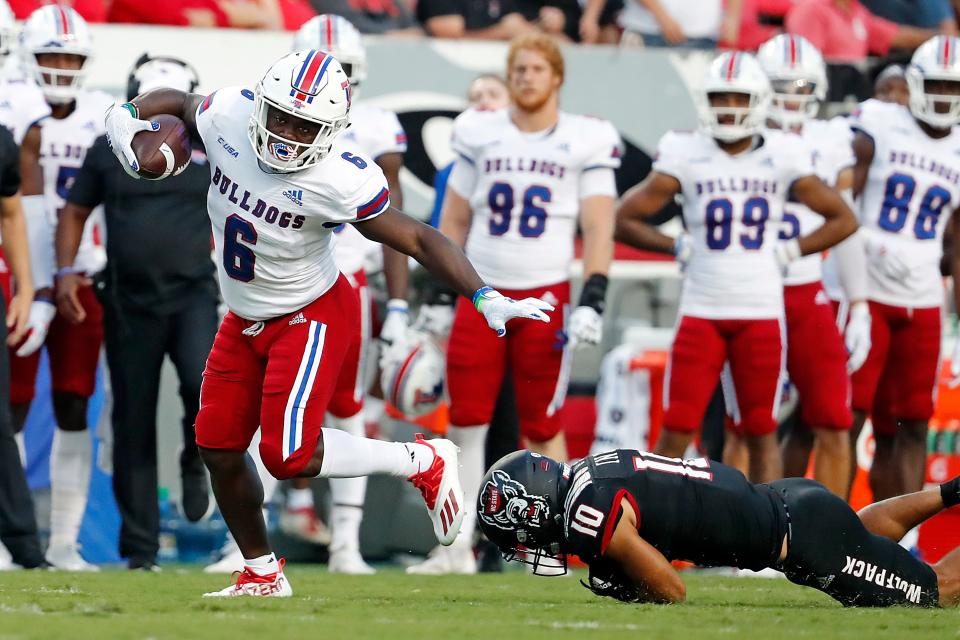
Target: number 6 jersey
(525, 191)
(912, 188)
(694, 510)
(733, 208)
(273, 232)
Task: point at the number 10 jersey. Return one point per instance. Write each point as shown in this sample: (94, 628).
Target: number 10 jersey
(911, 191)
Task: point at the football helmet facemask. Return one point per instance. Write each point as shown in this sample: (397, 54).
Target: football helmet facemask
(56, 28)
(734, 72)
(935, 62)
(798, 77)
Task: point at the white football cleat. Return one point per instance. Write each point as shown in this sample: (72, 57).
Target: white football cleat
(274, 585)
(304, 524)
(67, 558)
(441, 490)
(349, 561)
(230, 562)
(444, 561)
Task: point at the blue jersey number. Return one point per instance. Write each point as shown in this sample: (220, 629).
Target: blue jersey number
(756, 212)
(896, 205)
(790, 228)
(65, 178)
(238, 258)
(356, 161)
(533, 218)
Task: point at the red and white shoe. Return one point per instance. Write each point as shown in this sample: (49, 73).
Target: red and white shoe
(274, 585)
(440, 486)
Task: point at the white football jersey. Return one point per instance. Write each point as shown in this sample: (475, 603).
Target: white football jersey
(273, 232)
(63, 146)
(733, 209)
(829, 144)
(525, 191)
(912, 189)
(375, 132)
(21, 105)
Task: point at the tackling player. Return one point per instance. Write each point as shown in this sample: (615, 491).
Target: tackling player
(523, 179)
(628, 514)
(276, 361)
(908, 176)
(735, 178)
(56, 48)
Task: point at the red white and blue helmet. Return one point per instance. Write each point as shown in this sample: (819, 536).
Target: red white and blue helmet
(936, 59)
(412, 375)
(734, 72)
(335, 35)
(56, 28)
(306, 84)
(798, 77)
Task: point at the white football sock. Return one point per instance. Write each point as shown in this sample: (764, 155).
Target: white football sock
(22, 447)
(472, 442)
(299, 499)
(347, 456)
(347, 493)
(263, 565)
(70, 465)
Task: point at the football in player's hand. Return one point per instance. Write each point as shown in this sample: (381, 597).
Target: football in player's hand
(164, 152)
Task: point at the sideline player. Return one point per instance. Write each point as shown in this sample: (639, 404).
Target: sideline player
(277, 357)
(56, 48)
(628, 514)
(735, 177)
(908, 175)
(523, 178)
(817, 361)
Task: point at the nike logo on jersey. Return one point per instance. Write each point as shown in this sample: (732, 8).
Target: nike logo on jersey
(228, 147)
(295, 196)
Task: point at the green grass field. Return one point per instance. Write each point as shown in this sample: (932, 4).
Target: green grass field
(393, 606)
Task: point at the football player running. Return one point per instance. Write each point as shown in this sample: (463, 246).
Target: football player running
(907, 175)
(378, 134)
(277, 357)
(817, 362)
(524, 177)
(56, 47)
(628, 514)
(735, 178)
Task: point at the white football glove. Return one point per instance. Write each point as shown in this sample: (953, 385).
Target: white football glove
(394, 329)
(857, 335)
(435, 319)
(584, 327)
(38, 322)
(498, 310)
(886, 260)
(682, 250)
(786, 252)
(121, 126)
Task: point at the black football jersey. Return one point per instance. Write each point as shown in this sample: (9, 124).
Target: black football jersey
(696, 510)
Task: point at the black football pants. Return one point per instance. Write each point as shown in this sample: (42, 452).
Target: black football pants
(18, 523)
(136, 343)
(832, 551)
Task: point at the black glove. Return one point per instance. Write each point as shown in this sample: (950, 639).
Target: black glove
(606, 579)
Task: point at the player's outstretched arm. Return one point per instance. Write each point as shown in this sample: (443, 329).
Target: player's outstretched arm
(128, 119)
(444, 259)
(839, 219)
(643, 201)
(650, 571)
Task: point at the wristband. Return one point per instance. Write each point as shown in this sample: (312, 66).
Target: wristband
(594, 292)
(480, 295)
(64, 271)
(397, 305)
(132, 108)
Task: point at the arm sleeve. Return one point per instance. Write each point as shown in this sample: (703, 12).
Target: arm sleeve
(463, 177)
(88, 187)
(40, 241)
(9, 165)
(670, 159)
(206, 112)
(880, 33)
(369, 198)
